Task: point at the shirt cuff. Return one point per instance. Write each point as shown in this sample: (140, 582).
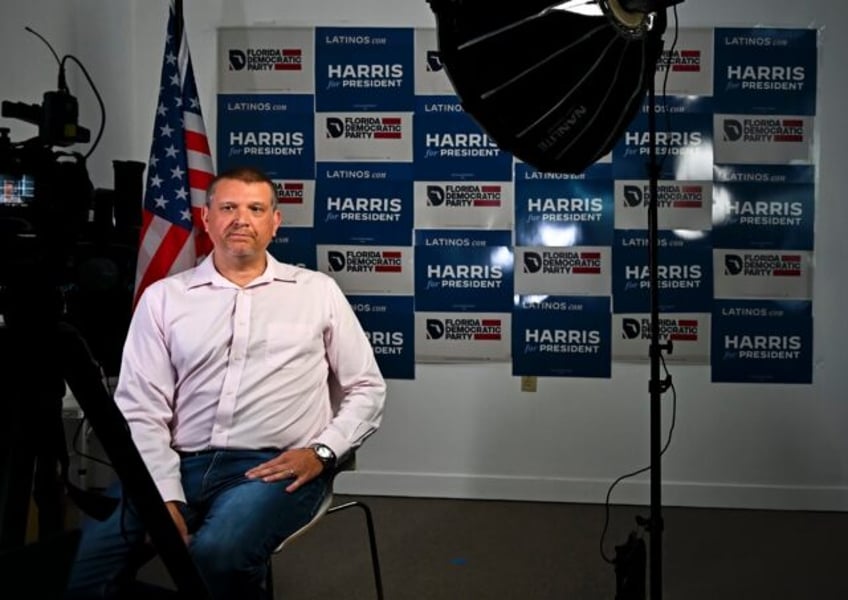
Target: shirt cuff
(171, 490)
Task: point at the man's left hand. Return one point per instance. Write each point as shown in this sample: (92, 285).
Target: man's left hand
(301, 464)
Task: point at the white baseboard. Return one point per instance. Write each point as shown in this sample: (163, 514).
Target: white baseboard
(586, 491)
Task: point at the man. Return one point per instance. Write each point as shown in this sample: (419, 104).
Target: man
(224, 384)
(10, 193)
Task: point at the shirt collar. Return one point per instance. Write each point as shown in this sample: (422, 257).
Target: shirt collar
(206, 274)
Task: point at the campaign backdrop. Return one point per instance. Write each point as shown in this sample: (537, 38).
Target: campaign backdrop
(452, 250)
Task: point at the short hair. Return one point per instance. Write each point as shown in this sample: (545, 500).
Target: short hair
(245, 175)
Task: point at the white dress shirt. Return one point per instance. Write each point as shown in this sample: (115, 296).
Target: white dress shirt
(209, 364)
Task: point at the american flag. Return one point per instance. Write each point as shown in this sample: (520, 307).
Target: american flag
(172, 235)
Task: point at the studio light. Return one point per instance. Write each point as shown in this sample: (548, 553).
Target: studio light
(557, 84)
(553, 83)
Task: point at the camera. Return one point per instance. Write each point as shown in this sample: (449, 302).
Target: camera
(43, 208)
(68, 254)
(28, 167)
(67, 249)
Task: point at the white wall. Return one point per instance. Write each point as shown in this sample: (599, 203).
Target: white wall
(468, 431)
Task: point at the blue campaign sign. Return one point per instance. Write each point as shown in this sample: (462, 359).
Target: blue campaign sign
(463, 270)
(763, 216)
(364, 203)
(561, 336)
(296, 246)
(685, 272)
(449, 145)
(273, 132)
(364, 69)
(765, 71)
(683, 145)
(762, 342)
(551, 212)
(389, 323)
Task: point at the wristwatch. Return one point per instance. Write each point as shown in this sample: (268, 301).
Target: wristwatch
(325, 454)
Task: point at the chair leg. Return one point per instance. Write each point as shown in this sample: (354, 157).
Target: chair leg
(372, 540)
(269, 580)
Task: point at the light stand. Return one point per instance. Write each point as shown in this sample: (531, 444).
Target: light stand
(557, 86)
(657, 385)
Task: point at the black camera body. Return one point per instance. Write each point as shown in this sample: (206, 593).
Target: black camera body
(67, 250)
(45, 195)
(29, 169)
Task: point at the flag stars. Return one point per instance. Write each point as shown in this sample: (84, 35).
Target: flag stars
(167, 200)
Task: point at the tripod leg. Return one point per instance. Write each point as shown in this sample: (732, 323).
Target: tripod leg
(50, 468)
(17, 463)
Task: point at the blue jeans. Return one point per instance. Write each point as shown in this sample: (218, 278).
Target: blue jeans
(235, 524)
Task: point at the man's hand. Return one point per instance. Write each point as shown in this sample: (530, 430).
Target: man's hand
(299, 463)
(174, 510)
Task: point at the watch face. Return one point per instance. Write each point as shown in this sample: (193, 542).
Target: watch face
(323, 452)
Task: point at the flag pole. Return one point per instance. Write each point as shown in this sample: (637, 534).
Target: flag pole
(178, 23)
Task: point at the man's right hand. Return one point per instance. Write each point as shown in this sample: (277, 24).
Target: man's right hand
(177, 516)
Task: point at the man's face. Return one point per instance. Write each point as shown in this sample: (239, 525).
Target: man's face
(240, 219)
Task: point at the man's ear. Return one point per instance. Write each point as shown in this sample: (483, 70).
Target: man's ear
(204, 216)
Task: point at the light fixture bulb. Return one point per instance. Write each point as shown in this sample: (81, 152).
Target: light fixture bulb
(588, 8)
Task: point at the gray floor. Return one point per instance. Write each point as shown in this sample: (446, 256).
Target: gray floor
(458, 549)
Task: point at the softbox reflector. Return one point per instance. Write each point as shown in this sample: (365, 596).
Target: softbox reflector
(554, 88)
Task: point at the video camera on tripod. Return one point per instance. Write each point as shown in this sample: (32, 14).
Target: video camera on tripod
(67, 268)
(65, 245)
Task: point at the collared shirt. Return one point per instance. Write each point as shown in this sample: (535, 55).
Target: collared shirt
(209, 364)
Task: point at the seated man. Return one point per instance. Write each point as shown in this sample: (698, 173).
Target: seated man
(224, 384)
